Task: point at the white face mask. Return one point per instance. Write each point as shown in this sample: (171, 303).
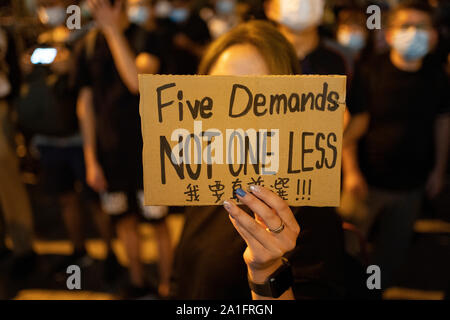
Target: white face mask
(412, 44)
(52, 16)
(354, 40)
(138, 14)
(85, 10)
(163, 9)
(299, 15)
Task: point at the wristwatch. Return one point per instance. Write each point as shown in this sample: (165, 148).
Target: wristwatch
(277, 283)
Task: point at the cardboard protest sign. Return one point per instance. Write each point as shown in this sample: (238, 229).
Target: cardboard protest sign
(206, 136)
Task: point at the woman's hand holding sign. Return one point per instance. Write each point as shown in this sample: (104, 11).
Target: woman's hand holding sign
(269, 236)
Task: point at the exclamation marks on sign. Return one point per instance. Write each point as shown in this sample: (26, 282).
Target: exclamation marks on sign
(305, 187)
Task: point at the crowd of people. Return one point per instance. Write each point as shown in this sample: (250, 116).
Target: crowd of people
(79, 112)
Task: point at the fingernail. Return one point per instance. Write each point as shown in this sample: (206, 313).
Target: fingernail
(254, 188)
(227, 205)
(240, 192)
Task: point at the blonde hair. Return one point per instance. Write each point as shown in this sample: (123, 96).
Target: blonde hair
(275, 49)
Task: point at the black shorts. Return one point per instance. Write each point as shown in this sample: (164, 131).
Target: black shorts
(63, 170)
(123, 169)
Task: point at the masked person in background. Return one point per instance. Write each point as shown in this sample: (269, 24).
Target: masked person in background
(299, 21)
(47, 110)
(189, 36)
(224, 17)
(109, 62)
(16, 218)
(352, 32)
(152, 16)
(405, 150)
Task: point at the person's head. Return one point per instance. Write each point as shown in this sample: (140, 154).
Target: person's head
(351, 29)
(162, 8)
(52, 13)
(252, 48)
(297, 15)
(181, 10)
(225, 7)
(410, 31)
(139, 11)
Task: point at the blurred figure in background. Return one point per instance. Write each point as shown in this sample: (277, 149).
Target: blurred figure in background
(352, 32)
(223, 18)
(109, 62)
(16, 215)
(299, 21)
(405, 151)
(47, 109)
(189, 36)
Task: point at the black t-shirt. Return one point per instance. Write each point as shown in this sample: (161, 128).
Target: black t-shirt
(182, 61)
(209, 262)
(324, 60)
(397, 152)
(118, 125)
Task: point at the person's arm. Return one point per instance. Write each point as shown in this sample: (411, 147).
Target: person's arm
(435, 181)
(356, 120)
(182, 41)
(356, 126)
(128, 65)
(265, 248)
(354, 180)
(85, 112)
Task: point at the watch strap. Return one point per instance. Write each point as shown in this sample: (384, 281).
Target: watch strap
(276, 284)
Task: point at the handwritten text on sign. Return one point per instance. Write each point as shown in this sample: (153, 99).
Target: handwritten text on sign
(206, 136)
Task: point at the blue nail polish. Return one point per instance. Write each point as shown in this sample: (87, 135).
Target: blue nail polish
(240, 192)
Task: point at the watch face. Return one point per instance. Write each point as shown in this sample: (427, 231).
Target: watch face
(281, 280)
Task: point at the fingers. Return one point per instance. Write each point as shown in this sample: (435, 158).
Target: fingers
(96, 5)
(268, 215)
(92, 4)
(253, 228)
(248, 238)
(279, 205)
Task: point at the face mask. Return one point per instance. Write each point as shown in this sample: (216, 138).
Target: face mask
(412, 44)
(353, 40)
(179, 15)
(138, 14)
(85, 10)
(163, 9)
(217, 27)
(225, 7)
(52, 16)
(299, 15)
